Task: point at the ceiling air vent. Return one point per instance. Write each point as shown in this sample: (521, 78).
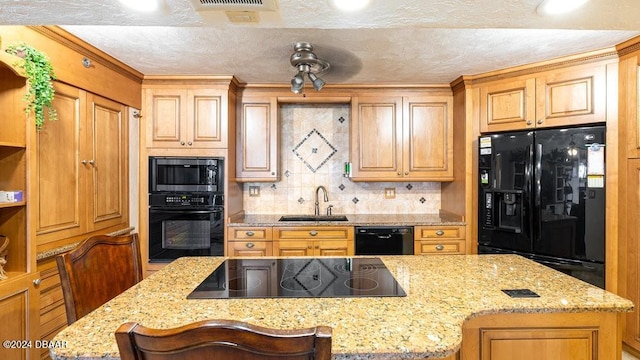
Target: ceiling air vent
(235, 5)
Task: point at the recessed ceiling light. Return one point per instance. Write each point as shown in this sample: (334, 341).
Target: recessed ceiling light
(555, 7)
(350, 5)
(141, 5)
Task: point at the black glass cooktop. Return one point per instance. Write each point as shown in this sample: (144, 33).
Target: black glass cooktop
(299, 278)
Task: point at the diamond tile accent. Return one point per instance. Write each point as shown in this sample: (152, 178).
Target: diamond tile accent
(287, 173)
(341, 187)
(314, 150)
(409, 186)
(301, 201)
(341, 119)
(273, 186)
(423, 200)
(355, 200)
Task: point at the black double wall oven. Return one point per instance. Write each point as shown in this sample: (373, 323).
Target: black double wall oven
(186, 213)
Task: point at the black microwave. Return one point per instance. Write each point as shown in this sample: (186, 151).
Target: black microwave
(185, 174)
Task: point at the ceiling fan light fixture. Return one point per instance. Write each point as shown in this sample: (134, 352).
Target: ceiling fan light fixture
(306, 62)
(557, 7)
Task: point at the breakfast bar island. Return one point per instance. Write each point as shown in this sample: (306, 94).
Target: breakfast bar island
(435, 307)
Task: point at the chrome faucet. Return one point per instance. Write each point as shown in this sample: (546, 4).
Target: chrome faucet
(326, 198)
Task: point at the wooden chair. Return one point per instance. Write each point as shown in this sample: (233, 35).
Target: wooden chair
(222, 339)
(96, 271)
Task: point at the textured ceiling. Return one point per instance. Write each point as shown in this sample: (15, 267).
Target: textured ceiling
(399, 41)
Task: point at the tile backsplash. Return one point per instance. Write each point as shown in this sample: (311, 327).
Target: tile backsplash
(314, 147)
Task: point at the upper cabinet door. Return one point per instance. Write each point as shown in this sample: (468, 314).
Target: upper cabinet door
(507, 105)
(107, 163)
(376, 137)
(571, 97)
(166, 109)
(257, 146)
(428, 138)
(204, 126)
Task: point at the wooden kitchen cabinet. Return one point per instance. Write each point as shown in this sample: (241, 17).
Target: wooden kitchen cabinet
(18, 303)
(439, 240)
(82, 167)
(632, 242)
(186, 117)
(18, 293)
(313, 241)
(570, 96)
(249, 241)
(396, 138)
(257, 140)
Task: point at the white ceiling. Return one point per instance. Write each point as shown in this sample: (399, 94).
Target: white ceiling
(392, 41)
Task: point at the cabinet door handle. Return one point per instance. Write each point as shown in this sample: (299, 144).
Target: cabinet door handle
(540, 121)
(181, 142)
(317, 246)
(250, 233)
(309, 247)
(250, 245)
(90, 162)
(313, 233)
(439, 247)
(399, 173)
(36, 282)
(190, 143)
(439, 232)
(406, 173)
(529, 122)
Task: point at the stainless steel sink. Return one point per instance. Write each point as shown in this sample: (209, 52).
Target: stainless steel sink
(313, 218)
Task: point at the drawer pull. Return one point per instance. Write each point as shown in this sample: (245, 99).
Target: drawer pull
(313, 233)
(440, 247)
(439, 232)
(250, 233)
(250, 245)
(309, 247)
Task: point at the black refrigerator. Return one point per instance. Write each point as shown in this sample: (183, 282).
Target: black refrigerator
(542, 195)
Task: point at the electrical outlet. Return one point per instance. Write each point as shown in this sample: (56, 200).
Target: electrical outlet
(254, 191)
(389, 193)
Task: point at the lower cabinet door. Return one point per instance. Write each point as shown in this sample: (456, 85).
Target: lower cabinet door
(19, 318)
(293, 248)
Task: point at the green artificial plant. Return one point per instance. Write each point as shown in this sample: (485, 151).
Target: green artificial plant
(37, 66)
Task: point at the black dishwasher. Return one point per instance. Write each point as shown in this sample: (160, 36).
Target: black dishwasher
(388, 240)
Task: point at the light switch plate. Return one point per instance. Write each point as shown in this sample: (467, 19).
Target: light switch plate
(254, 191)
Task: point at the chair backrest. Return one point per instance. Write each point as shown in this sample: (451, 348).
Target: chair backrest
(97, 270)
(222, 339)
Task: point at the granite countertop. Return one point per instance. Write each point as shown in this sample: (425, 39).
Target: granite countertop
(442, 292)
(352, 220)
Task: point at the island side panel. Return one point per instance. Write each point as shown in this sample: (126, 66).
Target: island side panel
(576, 336)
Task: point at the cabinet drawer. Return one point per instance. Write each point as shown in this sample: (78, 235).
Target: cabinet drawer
(439, 232)
(250, 233)
(439, 247)
(308, 232)
(249, 248)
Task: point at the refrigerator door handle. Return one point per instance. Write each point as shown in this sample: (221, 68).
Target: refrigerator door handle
(536, 168)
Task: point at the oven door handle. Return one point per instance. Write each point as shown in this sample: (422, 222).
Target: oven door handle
(183, 211)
